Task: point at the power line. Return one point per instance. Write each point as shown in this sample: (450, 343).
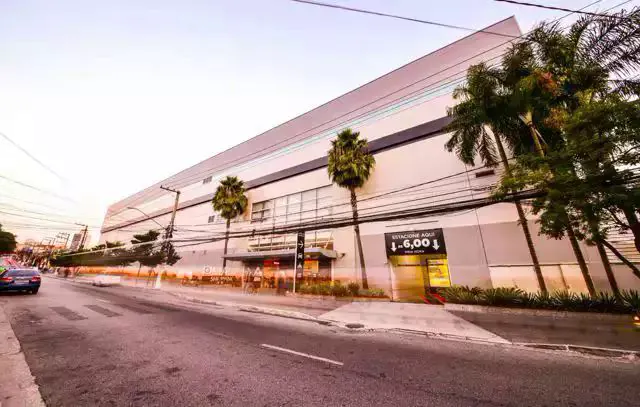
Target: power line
(523, 3)
(18, 209)
(28, 202)
(412, 19)
(37, 218)
(36, 188)
(196, 175)
(28, 154)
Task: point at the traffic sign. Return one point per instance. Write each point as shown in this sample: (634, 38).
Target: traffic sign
(299, 260)
(429, 241)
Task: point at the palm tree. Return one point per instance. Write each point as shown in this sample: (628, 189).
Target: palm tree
(229, 201)
(530, 93)
(350, 165)
(555, 74)
(483, 106)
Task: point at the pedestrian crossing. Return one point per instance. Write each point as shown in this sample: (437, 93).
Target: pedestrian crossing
(109, 310)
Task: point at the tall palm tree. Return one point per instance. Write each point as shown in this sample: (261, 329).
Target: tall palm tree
(557, 73)
(530, 92)
(229, 201)
(350, 166)
(482, 106)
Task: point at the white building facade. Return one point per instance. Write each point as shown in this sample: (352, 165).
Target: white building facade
(403, 115)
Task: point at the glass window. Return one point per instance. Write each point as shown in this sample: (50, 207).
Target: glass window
(212, 219)
(293, 208)
(309, 204)
(324, 192)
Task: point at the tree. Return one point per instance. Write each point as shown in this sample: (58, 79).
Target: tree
(7, 241)
(483, 105)
(350, 166)
(230, 202)
(590, 120)
(145, 250)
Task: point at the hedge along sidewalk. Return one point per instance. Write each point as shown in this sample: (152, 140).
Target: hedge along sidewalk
(558, 328)
(17, 385)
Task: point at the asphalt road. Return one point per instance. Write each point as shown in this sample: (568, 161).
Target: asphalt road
(126, 347)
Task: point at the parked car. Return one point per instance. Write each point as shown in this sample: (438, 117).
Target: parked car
(104, 280)
(20, 279)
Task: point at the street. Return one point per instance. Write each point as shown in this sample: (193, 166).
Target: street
(120, 346)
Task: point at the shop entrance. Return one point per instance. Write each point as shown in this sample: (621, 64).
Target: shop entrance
(419, 264)
(416, 275)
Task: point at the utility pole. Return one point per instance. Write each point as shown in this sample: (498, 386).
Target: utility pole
(169, 231)
(84, 235)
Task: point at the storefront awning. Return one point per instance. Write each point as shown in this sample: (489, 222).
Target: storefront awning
(315, 252)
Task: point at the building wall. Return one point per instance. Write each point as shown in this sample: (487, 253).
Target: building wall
(485, 246)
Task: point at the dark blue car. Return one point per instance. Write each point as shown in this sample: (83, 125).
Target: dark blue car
(20, 280)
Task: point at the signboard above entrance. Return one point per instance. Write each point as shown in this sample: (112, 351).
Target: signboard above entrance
(413, 243)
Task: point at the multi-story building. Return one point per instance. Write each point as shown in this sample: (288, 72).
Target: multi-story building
(79, 240)
(403, 115)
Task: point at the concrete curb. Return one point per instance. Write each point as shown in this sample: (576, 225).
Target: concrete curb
(580, 316)
(254, 309)
(587, 350)
(18, 386)
(437, 335)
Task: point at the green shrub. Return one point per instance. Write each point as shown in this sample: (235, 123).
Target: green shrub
(502, 296)
(377, 292)
(540, 300)
(324, 289)
(584, 302)
(631, 299)
(460, 295)
(339, 290)
(371, 292)
(354, 288)
(605, 302)
(564, 300)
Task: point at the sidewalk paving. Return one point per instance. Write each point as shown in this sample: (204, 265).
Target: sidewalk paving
(227, 296)
(17, 386)
(431, 319)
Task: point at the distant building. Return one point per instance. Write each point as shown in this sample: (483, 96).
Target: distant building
(76, 241)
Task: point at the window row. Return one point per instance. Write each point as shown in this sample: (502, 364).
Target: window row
(306, 205)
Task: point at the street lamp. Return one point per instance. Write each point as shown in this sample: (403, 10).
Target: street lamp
(145, 214)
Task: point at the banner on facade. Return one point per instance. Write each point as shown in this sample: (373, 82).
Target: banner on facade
(299, 262)
(418, 242)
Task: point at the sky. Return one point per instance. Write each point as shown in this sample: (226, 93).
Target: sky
(113, 96)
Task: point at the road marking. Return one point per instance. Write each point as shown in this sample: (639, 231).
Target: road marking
(68, 314)
(134, 309)
(98, 299)
(306, 355)
(103, 311)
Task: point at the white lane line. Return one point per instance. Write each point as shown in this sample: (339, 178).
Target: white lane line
(306, 355)
(98, 299)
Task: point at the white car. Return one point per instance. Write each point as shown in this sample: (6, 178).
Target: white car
(104, 280)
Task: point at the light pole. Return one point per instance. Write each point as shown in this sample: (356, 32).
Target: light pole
(145, 214)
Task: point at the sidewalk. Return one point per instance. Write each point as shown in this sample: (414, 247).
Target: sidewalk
(17, 385)
(431, 320)
(227, 296)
